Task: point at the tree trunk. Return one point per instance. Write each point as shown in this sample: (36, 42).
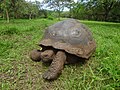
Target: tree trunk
(59, 10)
(59, 15)
(45, 13)
(106, 16)
(30, 16)
(70, 13)
(107, 8)
(3, 16)
(16, 15)
(7, 16)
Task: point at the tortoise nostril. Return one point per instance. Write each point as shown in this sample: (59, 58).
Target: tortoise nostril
(45, 55)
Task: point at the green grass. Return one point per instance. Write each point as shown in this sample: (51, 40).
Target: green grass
(19, 72)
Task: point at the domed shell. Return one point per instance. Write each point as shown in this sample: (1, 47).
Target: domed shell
(71, 36)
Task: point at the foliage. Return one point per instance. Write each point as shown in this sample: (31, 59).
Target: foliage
(100, 10)
(6, 7)
(103, 10)
(57, 5)
(18, 9)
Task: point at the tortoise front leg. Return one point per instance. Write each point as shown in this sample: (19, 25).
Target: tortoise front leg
(56, 67)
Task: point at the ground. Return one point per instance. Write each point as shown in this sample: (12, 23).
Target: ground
(19, 72)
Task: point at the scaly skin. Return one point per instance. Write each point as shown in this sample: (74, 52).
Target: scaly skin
(47, 55)
(35, 55)
(56, 67)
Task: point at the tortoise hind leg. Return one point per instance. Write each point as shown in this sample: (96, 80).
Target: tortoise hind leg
(56, 67)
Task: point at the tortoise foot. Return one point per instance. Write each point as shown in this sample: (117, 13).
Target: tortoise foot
(56, 67)
(49, 75)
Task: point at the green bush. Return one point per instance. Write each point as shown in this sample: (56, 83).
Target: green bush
(50, 17)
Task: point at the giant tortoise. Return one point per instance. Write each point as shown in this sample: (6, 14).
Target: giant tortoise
(64, 42)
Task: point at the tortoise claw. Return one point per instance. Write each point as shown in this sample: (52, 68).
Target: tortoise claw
(50, 75)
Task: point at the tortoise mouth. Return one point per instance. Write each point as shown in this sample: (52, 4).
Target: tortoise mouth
(83, 51)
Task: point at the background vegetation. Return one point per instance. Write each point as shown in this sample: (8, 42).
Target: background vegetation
(100, 10)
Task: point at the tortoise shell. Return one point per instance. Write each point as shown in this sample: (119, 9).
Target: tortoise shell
(71, 36)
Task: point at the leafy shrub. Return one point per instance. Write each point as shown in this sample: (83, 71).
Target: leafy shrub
(50, 17)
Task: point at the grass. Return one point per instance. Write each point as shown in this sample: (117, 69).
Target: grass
(18, 72)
